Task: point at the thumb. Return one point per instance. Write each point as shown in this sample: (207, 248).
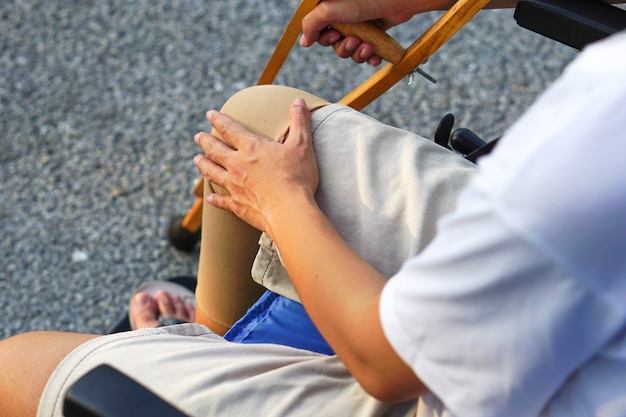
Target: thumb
(317, 20)
(221, 201)
(299, 120)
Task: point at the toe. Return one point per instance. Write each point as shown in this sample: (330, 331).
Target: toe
(172, 305)
(144, 311)
(191, 312)
(164, 302)
(178, 306)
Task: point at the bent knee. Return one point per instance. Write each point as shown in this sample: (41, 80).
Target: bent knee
(264, 109)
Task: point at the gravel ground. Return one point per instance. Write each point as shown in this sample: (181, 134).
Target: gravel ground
(100, 99)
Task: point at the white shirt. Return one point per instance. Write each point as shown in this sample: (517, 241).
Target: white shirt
(518, 306)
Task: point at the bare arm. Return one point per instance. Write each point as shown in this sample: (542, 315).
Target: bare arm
(272, 187)
(384, 14)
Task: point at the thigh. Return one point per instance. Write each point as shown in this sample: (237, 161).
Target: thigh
(27, 361)
(382, 188)
(202, 374)
(228, 245)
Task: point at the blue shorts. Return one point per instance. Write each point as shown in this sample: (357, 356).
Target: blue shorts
(278, 320)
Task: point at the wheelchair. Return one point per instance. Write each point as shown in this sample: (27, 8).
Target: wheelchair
(107, 392)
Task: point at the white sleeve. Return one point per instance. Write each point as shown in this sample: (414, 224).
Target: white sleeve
(526, 280)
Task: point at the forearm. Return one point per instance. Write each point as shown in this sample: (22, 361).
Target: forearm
(340, 292)
(271, 185)
(335, 284)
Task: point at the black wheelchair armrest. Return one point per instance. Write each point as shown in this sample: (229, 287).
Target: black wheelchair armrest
(572, 22)
(106, 392)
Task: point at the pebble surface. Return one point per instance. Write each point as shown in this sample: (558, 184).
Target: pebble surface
(99, 102)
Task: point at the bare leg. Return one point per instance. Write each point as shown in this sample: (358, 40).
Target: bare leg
(26, 363)
(228, 245)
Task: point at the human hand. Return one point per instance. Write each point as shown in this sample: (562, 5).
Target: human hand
(390, 13)
(260, 175)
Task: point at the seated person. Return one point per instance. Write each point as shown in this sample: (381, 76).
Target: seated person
(404, 226)
(515, 306)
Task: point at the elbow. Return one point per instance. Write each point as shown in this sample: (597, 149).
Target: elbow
(391, 388)
(383, 393)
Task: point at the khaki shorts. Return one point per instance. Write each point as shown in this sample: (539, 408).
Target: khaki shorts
(383, 189)
(204, 375)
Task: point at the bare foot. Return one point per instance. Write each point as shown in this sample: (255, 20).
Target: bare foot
(146, 310)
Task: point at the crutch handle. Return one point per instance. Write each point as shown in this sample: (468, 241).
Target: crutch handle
(385, 46)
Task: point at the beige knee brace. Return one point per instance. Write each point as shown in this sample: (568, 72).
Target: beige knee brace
(228, 246)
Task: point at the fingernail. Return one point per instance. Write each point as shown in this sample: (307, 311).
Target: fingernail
(196, 138)
(162, 297)
(334, 37)
(374, 61)
(209, 115)
(141, 299)
(351, 44)
(196, 159)
(366, 53)
(299, 102)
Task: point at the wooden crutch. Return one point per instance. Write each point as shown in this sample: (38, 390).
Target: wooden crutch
(183, 232)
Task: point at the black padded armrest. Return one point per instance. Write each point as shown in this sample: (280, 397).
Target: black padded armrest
(106, 392)
(572, 22)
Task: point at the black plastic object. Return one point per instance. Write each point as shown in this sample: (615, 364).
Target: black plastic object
(181, 238)
(464, 141)
(442, 133)
(572, 22)
(106, 392)
(485, 150)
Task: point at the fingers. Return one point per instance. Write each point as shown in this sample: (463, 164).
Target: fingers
(220, 201)
(214, 151)
(375, 60)
(299, 121)
(352, 47)
(213, 163)
(315, 22)
(299, 144)
(349, 47)
(315, 28)
(246, 171)
(232, 132)
(329, 37)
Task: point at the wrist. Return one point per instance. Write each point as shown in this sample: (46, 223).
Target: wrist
(289, 213)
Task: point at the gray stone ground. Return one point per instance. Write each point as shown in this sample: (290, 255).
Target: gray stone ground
(100, 99)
